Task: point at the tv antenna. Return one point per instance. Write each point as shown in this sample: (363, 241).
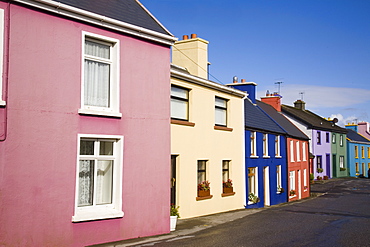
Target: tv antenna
(279, 83)
(301, 93)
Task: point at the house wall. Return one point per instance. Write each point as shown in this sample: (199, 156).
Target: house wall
(203, 142)
(271, 163)
(338, 151)
(298, 166)
(359, 159)
(322, 150)
(38, 159)
(364, 129)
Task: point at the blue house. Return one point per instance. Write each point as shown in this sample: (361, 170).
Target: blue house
(358, 153)
(265, 154)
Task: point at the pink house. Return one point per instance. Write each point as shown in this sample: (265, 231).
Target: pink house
(364, 129)
(84, 122)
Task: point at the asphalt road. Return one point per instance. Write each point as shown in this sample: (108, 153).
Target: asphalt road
(340, 216)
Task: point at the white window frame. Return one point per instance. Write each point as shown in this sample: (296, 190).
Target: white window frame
(253, 142)
(297, 151)
(266, 146)
(184, 100)
(255, 184)
(304, 151)
(291, 151)
(221, 109)
(305, 178)
(114, 81)
(278, 177)
(292, 182)
(277, 146)
(341, 161)
(2, 20)
(105, 211)
(341, 140)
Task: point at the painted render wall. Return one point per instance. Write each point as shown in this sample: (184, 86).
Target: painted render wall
(339, 150)
(361, 161)
(203, 142)
(302, 180)
(271, 163)
(38, 159)
(322, 149)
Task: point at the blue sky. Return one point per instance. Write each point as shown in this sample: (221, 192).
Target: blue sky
(319, 47)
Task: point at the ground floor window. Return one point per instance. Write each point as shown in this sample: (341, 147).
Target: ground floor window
(341, 161)
(99, 177)
(292, 183)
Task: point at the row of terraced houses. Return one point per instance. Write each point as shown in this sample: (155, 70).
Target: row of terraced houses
(101, 130)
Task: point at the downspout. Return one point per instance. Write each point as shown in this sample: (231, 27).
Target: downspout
(6, 73)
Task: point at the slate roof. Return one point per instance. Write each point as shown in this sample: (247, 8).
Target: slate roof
(353, 136)
(312, 120)
(129, 11)
(288, 126)
(256, 119)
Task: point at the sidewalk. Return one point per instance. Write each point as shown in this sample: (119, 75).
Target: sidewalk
(190, 226)
(187, 226)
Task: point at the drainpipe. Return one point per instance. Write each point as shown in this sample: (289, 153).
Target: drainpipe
(6, 73)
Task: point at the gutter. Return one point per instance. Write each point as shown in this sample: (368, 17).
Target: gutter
(99, 20)
(206, 83)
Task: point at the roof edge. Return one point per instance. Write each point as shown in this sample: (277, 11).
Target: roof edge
(100, 20)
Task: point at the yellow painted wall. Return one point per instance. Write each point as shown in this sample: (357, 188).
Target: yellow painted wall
(203, 142)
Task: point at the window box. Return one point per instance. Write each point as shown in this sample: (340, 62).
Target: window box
(228, 190)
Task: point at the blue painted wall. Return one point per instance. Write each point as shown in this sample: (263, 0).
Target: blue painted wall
(271, 162)
(352, 159)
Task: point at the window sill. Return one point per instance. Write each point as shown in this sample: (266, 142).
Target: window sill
(228, 194)
(199, 198)
(251, 203)
(292, 196)
(279, 157)
(182, 122)
(266, 157)
(90, 215)
(2, 103)
(99, 113)
(223, 128)
(254, 157)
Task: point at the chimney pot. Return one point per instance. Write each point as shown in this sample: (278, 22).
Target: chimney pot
(193, 35)
(243, 81)
(185, 37)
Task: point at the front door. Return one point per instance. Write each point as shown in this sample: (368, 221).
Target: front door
(328, 165)
(173, 179)
(266, 181)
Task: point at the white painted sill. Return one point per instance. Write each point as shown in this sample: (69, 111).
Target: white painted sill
(266, 157)
(99, 113)
(254, 156)
(2, 103)
(88, 215)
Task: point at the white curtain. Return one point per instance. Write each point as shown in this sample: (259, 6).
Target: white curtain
(97, 74)
(86, 182)
(104, 181)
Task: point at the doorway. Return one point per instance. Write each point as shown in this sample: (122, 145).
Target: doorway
(266, 185)
(173, 179)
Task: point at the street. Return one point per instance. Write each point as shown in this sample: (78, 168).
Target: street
(340, 216)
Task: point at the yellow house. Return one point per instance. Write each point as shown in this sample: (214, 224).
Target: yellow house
(207, 135)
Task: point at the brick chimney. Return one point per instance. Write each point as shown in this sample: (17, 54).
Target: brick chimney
(273, 99)
(192, 54)
(300, 104)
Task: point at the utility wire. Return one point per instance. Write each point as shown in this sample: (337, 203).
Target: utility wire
(197, 64)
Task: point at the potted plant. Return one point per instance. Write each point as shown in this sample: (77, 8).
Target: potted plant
(319, 178)
(342, 169)
(174, 214)
(204, 189)
(227, 186)
(305, 187)
(252, 198)
(312, 177)
(320, 170)
(326, 177)
(291, 192)
(280, 189)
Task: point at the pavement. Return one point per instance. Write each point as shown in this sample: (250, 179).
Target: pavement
(190, 226)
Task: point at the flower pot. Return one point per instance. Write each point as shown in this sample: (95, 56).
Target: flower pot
(228, 190)
(173, 221)
(202, 193)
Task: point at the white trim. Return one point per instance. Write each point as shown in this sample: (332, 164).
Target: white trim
(206, 83)
(114, 81)
(100, 20)
(113, 210)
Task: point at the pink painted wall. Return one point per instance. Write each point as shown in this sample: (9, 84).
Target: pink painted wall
(38, 158)
(364, 129)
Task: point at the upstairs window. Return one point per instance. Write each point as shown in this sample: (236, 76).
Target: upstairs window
(277, 146)
(220, 112)
(291, 151)
(265, 145)
(253, 143)
(100, 84)
(327, 137)
(363, 152)
(333, 138)
(318, 137)
(298, 151)
(341, 140)
(304, 151)
(368, 153)
(356, 152)
(179, 103)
